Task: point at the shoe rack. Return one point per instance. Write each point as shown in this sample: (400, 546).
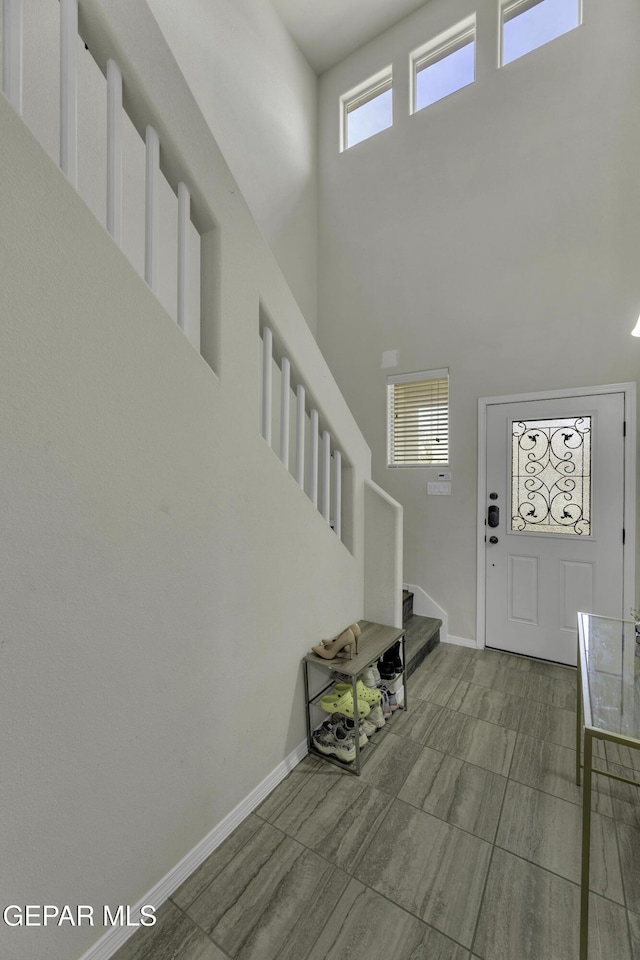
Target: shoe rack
(375, 640)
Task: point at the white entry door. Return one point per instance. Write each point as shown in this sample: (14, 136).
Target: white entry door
(555, 518)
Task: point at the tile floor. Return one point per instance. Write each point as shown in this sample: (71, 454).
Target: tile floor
(460, 841)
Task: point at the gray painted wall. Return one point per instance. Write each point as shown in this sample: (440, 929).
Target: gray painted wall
(496, 233)
(258, 94)
(162, 575)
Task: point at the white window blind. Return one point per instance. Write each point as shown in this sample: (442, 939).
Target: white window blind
(515, 7)
(445, 44)
(418, 419)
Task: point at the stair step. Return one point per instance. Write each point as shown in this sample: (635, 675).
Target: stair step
(422, 634)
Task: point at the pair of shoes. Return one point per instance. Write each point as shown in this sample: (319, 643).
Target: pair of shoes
(393, 657)
(335, 740)
(376, 717)
(350, 726)
(368, 726)
(387, 670)
(357, 632)
(389, 703)
(371, 676)
(339, 701)
(331, 648)
(362, 692)
(345, 644)
(390, 663)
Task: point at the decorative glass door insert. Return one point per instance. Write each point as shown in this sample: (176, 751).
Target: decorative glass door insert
(551, 476)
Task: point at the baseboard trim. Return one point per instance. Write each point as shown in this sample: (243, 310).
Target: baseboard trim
(461, 641)
(114, 938)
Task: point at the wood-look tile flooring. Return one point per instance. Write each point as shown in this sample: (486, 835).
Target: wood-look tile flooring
(460, 841)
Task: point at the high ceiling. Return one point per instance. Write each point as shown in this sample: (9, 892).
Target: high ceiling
(328, 30)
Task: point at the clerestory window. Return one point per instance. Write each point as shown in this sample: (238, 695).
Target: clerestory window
(367, 109)
(528, 24)
(444, 64)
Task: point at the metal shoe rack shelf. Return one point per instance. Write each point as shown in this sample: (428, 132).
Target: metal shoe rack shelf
(375, 640)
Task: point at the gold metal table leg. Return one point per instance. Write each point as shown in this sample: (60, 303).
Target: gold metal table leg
(578, 719)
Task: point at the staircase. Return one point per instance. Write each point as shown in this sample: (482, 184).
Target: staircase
(188, 497)
(422, 634)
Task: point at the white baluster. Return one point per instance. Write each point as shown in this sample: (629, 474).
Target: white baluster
(152, 192)
(300, 424)
(314, 457)
(326, 474)
(114, 151)
(184, 221)
(337, 488)
(69, 89)
(12, 52)
(285, 386)
(267, 355)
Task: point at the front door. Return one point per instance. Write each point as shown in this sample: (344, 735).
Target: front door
(555, 517)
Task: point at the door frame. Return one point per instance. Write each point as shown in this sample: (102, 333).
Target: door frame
(629, 549)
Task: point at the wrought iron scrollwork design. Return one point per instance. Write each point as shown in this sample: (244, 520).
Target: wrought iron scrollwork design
(551, 476)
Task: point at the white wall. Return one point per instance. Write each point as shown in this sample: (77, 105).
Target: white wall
(382, 563)
(258, 95)
(496, 233)
(162, 574)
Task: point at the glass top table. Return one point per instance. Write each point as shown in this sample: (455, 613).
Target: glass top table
(610, 674)
(607, 708)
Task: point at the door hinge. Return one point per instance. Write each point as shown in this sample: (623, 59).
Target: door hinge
(624, 535)
(624, 428)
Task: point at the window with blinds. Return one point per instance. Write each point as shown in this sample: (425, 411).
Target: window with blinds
(418, 419)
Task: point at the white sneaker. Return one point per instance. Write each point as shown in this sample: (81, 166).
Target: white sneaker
(371, 677)
(368, 727)
(376, 716)
(335, 740)
(350, 726)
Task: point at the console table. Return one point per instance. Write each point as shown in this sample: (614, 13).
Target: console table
(607, 708)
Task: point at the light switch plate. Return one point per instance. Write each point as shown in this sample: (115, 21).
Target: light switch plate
(440, 489)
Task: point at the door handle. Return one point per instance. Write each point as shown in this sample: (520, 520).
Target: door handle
(493, 515)
(493, 539)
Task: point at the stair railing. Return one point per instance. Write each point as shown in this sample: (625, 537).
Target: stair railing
(309, 451)
(12, 85)
(317, 463)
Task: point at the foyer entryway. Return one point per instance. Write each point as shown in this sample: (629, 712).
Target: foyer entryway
(469, 804)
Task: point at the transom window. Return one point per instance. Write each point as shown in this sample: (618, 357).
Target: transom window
(367, 109)
(444, 64)
(418, 419)
(528, 24)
